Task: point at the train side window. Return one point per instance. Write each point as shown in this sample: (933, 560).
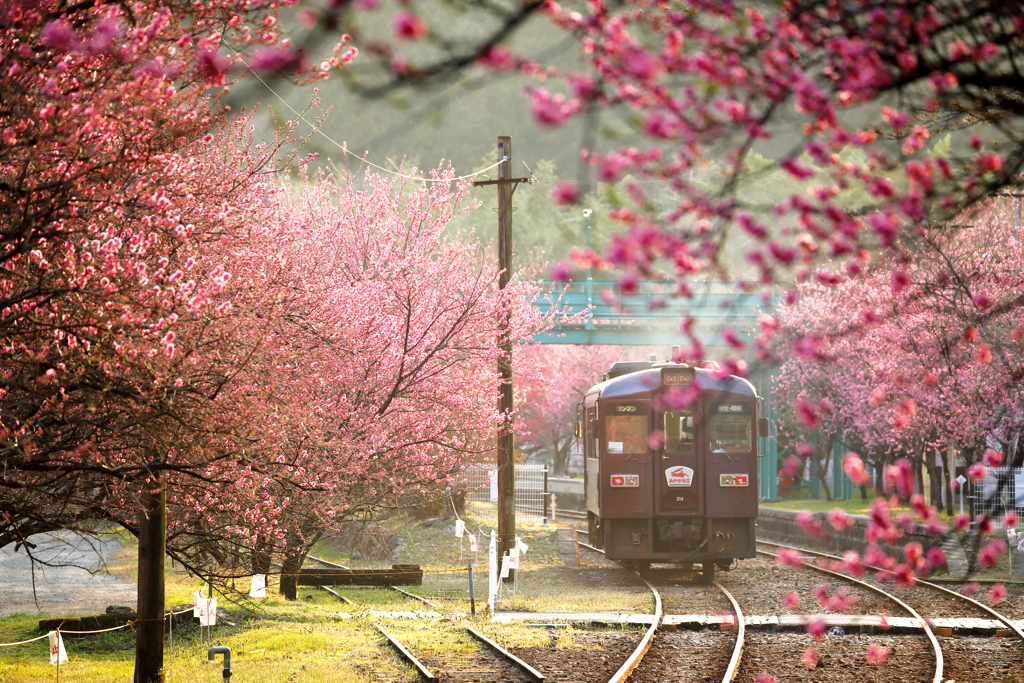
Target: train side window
(592, 440)
(730, 427)
(626, 434)
(679, 431)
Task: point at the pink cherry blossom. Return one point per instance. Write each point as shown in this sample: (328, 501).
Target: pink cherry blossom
(790, 558)
(877, 655)
(408, 25)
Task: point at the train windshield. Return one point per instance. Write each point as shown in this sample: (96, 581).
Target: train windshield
(679, 431)
(730, 427)
(626, 433)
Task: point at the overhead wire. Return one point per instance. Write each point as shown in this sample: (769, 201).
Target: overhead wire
(344, 148)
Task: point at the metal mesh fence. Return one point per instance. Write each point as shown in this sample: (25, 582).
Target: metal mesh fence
(530, 487)
(1001, 491)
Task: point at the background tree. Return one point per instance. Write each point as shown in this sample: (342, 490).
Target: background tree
(546, 421)
(929, 360)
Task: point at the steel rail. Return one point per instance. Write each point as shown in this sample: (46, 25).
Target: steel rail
(326, 562)
(408, 656)
(329, 590)
(741, 631)
(530, 671)
(422, 599)
(645, 642)
(336, 594)
(1010, 623)
(936, 648)
(417, 597)
(737, 654)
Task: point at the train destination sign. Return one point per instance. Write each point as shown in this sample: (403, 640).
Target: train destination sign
(732, 409)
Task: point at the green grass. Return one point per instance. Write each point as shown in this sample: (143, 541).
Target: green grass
(853, 506)
(319, 638)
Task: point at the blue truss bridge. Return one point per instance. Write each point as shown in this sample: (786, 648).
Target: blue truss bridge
(651, 315)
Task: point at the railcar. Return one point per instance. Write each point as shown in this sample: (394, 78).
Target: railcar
(671, 455)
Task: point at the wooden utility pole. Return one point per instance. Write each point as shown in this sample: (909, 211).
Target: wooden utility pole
(506, 445)
(149, 627)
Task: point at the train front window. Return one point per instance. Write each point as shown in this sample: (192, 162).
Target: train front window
(625, 434)
(679, 431)
(730, 427)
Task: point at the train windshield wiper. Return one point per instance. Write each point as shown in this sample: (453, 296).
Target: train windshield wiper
(721, 450)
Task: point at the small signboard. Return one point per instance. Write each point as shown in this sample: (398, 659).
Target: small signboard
(679, 476)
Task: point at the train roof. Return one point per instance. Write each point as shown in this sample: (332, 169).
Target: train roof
(647, 381)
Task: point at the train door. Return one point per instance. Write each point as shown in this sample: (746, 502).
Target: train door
(677, 468)
(732, 456)
(592, 462)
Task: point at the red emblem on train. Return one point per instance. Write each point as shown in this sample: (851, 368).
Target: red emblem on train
(679, 476)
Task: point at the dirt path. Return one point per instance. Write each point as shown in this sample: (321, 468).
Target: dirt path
(61, 590)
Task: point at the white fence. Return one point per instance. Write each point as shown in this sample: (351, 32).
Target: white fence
(530, 486)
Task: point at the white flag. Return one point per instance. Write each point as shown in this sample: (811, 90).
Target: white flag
(460, 528)
(505, 566)
(472, 543)
(207, 611)
(57, 653)
(259, 586)
(197, 597)
(522, 547)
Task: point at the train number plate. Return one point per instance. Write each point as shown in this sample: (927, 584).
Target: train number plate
(733, 480)
(625, 481)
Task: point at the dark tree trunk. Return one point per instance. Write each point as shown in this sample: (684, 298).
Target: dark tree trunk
(823, 452)
(459, 502)
(935, 477)
(260, 557)
(560, 458)
(292, 563)
(289, 576)
(149, 627)
(879, 478)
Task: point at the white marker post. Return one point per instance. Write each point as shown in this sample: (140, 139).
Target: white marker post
(492, 572)
(961, 480)
(1011, 540)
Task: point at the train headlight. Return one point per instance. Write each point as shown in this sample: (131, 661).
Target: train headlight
(733, 480)
(625, 481)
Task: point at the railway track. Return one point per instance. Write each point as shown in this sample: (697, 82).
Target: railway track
(464, 654)
(656, 656)
(664, 654)
(346, 600)
(938, 611)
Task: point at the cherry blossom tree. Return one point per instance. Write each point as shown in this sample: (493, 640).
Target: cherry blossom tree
(374, 370)
(563, 373)
(103, 119)
(927, 364)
